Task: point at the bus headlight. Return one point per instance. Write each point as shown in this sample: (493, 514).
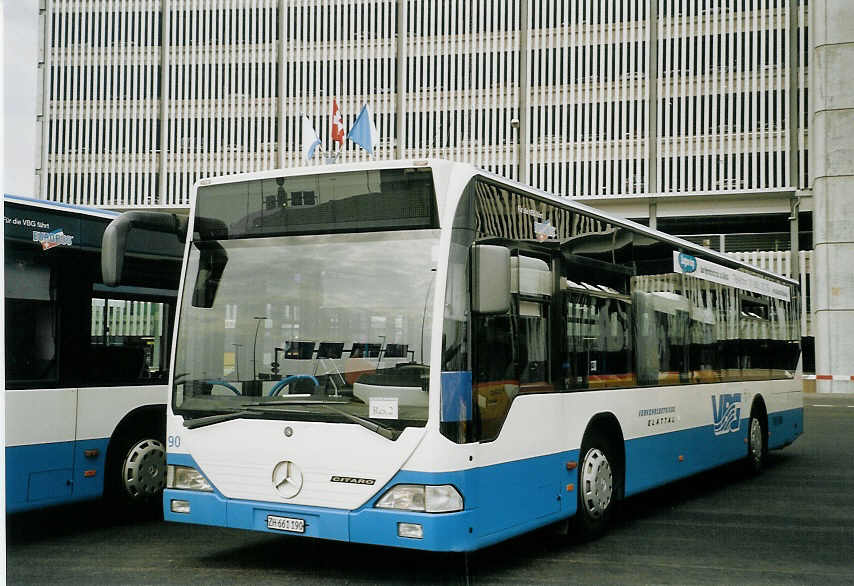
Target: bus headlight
(186, 478)
(422, 498)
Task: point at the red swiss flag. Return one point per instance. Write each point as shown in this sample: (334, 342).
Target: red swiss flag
(337, 124)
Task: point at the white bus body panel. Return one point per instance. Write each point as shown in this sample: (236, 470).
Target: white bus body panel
(238, 458)
(40, 416)
(543, 424)
(102, 408)
(44, 416)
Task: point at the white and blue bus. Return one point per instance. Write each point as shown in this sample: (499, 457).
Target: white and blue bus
(86, 365)
(425, 355)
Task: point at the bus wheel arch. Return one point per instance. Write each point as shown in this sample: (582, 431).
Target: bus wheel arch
(757, 435)
(601, 475)
(136, 458)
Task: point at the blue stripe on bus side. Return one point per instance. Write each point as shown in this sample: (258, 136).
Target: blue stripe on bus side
(655, 460)
(500, 501)
(658, 459)
(784, 427)
(92, 486)
(40, 475)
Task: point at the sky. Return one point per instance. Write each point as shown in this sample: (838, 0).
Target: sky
(20, 41)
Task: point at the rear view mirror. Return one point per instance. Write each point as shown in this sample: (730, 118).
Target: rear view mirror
(114, 241)
(490, 279)
(212, 261)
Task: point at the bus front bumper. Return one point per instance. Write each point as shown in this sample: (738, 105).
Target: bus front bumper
(439, 531)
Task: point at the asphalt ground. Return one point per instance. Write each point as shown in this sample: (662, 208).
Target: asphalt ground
(793, 524)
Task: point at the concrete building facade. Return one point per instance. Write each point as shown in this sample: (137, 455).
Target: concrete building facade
(692, 115)
(832, 99)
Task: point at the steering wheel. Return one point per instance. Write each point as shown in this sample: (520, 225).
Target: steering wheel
(225, 384)
(288, 380)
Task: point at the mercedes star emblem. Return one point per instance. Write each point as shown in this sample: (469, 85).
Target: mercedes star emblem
(287, 479)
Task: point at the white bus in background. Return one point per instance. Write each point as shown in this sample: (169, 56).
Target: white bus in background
(425, 355)
(86, 364)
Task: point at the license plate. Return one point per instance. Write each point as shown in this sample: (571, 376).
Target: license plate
(286, 524)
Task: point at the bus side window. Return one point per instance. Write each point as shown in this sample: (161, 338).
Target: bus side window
(129, 338)
(31, 322)
(495, 379)
(533, 347)
(599, 342)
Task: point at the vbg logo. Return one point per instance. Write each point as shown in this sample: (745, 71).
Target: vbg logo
(726, 409)
(687, 263)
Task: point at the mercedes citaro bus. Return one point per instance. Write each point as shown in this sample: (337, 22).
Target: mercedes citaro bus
(422, 354)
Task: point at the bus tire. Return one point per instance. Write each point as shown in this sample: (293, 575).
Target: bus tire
(598, 486)
(137, 472)
(757, 441)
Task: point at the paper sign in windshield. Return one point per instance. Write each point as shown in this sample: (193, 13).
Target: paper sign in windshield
(382, 408)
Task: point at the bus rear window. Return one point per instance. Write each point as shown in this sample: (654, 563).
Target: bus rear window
(357, 201)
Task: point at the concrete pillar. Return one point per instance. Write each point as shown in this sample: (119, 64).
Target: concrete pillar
(524, 95)
(652, 103)
(281, 57)
(400, 81)
(165, 37)
(832, 160)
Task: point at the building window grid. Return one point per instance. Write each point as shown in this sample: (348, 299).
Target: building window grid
(722, 92)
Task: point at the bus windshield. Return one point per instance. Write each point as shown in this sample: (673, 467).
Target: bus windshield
(320, 327)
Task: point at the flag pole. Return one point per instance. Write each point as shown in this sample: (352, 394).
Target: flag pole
(332, 156)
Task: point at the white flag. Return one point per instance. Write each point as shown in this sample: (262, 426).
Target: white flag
(310, 140)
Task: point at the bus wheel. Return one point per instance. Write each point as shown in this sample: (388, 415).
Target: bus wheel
(144, 470)
(757, 448)
(137, 473)
(596, 487)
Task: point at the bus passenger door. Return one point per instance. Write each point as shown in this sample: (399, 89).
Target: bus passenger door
(511, 371)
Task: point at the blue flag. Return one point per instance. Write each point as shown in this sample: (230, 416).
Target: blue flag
(363, 132)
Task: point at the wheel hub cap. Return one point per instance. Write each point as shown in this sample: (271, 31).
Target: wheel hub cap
(755, 441)
(144, 470)
(597, 483)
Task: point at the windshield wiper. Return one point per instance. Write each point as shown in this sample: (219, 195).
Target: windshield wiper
(294, 402)
(385, 431)
(218, 418)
